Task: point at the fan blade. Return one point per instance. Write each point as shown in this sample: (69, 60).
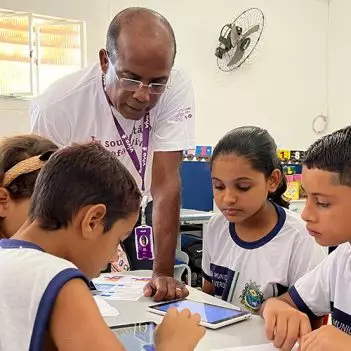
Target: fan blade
(251, 31)
(237, 56)
(234, 36)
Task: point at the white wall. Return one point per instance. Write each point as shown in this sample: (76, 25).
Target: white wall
(14, 117)
(282, 90)
(339, 64)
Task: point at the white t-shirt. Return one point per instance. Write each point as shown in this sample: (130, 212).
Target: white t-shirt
(75, 109)
(327, 289)
(248, 273)
(30, 281)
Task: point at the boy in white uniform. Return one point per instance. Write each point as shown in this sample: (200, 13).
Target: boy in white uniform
(76, 219)
(326, 178)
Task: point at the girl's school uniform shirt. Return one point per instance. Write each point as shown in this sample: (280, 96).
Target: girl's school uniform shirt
(248, 273)
(326, 289)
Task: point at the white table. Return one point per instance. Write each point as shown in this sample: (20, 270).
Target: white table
(249, 332)
(188, 216)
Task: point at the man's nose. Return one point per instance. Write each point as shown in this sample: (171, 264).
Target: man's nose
(142, 94)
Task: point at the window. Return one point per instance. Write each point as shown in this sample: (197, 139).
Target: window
(36, 50)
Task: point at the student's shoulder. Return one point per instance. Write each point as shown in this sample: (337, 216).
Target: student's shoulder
(39, 269)
(295, 232)
(294, 223)
(68, 91)
(218, 219)
(342, 255)
(218, 223)
(51, 265)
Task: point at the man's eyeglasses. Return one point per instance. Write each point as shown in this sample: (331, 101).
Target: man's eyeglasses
(134, 85)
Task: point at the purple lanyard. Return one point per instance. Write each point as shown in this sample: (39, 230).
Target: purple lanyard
(141, 168)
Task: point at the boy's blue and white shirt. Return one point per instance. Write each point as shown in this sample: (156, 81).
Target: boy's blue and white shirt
(327, 289)
(30, 281)
(248, 273)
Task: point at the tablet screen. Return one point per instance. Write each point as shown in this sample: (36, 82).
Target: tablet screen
(209, 313)
(136, 337)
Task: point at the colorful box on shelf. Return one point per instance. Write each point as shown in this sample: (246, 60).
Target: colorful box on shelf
(200, 153)
(290, 155)
(297, 178)
(293, 188)
(188, 155)
(203, 153)
(289, 170)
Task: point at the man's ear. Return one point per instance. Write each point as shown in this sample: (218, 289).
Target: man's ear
(104, 62)
(274, 180)
(92, 223)
(5, 199)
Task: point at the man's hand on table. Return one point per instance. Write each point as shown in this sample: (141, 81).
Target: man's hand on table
(162, 287)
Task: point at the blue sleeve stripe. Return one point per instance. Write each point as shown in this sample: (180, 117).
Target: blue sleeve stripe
(300, 304)
(47, 302)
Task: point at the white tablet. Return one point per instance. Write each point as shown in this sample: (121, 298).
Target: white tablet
(212, 316)
(136, 336)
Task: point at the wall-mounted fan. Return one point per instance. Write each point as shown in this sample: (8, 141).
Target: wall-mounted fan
(239, 39)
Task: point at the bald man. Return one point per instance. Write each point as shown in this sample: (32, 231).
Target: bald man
(141, 109)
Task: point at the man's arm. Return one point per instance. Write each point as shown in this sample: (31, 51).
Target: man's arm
(165, 191)
(173, 132)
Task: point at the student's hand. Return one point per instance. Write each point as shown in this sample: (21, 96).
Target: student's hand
(326, 338)
(165, 288)
(179, 331)
(284, 324)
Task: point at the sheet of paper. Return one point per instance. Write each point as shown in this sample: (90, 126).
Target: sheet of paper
(113, 286)
(263, 347)
(105, 309)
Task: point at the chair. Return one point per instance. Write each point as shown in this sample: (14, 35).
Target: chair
(181, 265)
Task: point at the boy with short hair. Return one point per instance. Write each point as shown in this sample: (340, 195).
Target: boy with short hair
(84, 203)
(326, 178)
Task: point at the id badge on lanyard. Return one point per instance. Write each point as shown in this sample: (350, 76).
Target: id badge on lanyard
(144, 243)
